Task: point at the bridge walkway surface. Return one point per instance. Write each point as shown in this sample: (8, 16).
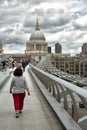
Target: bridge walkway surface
(37, 114)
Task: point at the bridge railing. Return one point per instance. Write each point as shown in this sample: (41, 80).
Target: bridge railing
(4, 76)
(71, 97)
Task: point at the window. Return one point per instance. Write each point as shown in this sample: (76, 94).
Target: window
(38, 47)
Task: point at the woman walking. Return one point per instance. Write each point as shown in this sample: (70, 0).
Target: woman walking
(17, 89)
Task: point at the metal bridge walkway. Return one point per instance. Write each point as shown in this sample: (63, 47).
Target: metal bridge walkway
(37, 115)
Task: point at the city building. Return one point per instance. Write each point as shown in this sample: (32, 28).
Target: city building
(49, 49)
(1, 47)
(37, 45)
(76, 65)
(84, 49)
(58, 48)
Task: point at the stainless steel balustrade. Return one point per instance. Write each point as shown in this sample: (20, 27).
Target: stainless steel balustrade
(67, 94)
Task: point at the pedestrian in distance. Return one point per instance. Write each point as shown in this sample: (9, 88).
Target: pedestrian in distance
(18, 88)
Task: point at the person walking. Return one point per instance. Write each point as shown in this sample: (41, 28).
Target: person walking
(18, 86)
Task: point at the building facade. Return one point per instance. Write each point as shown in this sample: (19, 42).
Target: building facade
(37, 45)
(58, 48)
(49, 49)
(84, 48)
(76, 65)
(1, 47)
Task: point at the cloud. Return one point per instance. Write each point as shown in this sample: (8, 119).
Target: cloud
(14, 48)
(60, 21)
(81, 23)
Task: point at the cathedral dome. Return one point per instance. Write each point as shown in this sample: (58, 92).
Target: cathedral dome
(37, 35)
(37, 45)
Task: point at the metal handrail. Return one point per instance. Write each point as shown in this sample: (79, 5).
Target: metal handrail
(71, 97)
(82, 92)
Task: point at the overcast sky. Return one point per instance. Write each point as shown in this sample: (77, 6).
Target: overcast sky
(61, 21)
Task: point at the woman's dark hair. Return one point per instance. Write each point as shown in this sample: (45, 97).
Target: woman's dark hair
(18, 72)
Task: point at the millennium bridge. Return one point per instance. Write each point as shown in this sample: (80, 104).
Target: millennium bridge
(55, 102)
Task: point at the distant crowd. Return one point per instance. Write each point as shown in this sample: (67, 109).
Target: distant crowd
(3, 65)
(22, 63)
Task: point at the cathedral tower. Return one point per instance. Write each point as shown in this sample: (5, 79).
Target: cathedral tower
(37, 45)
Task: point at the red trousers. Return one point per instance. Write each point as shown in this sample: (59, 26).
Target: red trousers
(18, 100)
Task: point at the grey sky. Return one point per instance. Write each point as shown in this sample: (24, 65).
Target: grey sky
(62, 21)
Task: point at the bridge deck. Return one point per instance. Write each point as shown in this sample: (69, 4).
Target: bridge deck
(37, 115)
